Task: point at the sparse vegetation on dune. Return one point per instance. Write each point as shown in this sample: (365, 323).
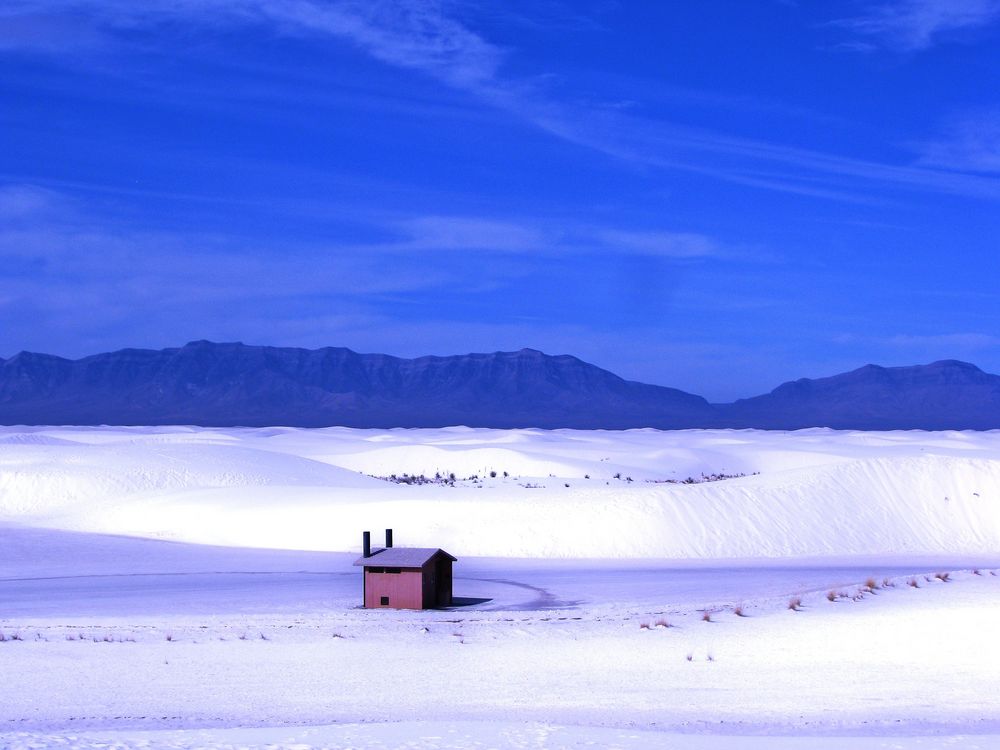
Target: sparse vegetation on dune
(701, 478)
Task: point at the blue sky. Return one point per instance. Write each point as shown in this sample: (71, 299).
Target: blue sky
(717, 196)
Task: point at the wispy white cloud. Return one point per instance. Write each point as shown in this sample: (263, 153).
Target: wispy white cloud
(470, 233)
(913, 25)
(415, 34)
(56, 246)
(971, 143)
(28, 202)
(661, 244)
(550, 237)
(429, 38)
(408, 33)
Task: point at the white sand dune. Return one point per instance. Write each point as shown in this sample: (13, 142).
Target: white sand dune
(567, 494)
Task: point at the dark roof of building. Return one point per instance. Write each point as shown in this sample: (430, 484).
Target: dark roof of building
(402, 557)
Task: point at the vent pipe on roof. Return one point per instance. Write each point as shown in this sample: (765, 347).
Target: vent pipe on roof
(388, 538)
(366, 544)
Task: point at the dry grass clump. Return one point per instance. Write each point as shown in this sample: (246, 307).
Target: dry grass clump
(738, 611)
(977, 572)
(706, 616)
(643, 626)
(795, 603)
(870, 585)
(943, 577)
(662, 623)
(913, 583)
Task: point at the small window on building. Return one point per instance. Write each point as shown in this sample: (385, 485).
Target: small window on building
(384, 601)
(376, 570)
(393, 570)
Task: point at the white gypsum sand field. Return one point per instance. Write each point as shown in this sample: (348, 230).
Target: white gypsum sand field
(186, 587)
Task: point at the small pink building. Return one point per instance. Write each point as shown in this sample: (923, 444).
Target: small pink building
(405, 577)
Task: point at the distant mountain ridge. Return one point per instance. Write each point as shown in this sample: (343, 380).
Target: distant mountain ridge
(940, 396)
(233, 384)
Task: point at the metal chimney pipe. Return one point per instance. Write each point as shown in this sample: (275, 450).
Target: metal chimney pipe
(388, 538)
(366, 544)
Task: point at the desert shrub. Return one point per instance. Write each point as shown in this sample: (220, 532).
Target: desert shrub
(706, 616)
(943, 577)
(913, 583)
(831, 595)
(738, 611)
(795, 603)
(662, 623)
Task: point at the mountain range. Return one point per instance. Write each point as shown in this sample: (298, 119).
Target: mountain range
(231, 384)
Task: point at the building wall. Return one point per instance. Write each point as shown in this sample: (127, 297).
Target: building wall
(404, 589)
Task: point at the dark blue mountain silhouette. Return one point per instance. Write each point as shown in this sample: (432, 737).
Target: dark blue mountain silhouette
(234, 384)
(210, 384)
(942, 395)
